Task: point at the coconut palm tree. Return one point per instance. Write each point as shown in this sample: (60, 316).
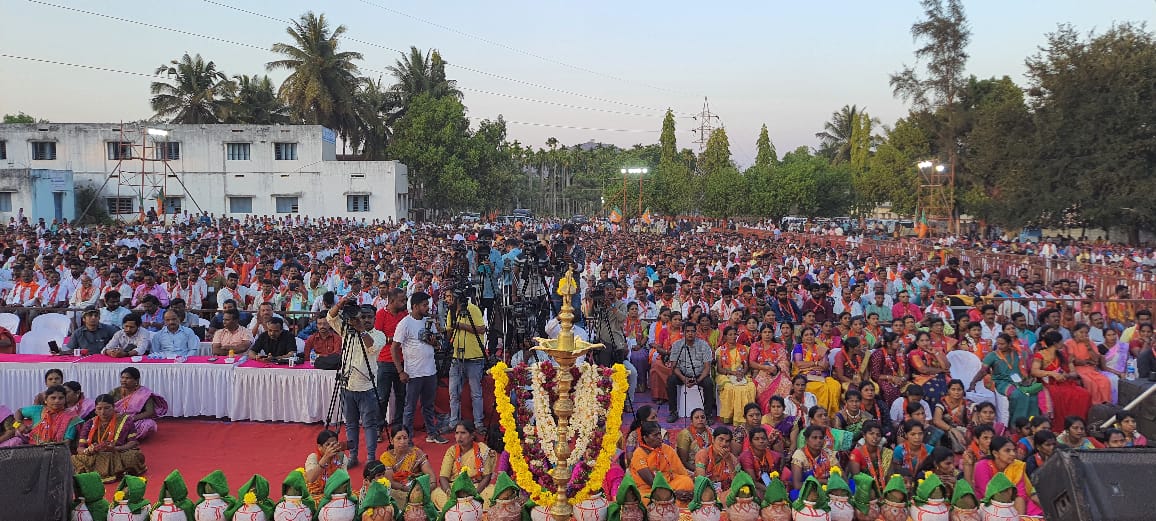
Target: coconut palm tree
(836, 135)
(254, 101)
(418, 73)
(322, 80)
(196, 93)
(375, 112)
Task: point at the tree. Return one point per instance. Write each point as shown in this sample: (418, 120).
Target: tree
(943, 34)
(374, 112)
(22, 118)
(723, 194)
(322, 80)
(765, 157)
(252, 100)
(998, 152)
(1093, 106)
(835, 139)
(717, 154)
(432, 139)
(667, 140)
(421, 73)
(198, 92)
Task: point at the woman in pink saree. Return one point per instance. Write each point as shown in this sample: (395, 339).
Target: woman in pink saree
(772, 366)
(139, 401)
(52, 422)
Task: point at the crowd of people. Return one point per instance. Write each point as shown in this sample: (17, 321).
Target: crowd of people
(804, 356)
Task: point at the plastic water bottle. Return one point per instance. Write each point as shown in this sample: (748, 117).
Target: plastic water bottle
(1131, 375)
(313, 358)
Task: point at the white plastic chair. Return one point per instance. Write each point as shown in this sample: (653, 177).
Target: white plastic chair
(52, 323)
(36, 343)
(300, 345)
(964, 365)
(10, 321)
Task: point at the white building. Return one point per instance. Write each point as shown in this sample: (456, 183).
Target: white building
(234, 170)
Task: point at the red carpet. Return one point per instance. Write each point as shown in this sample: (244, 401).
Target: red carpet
(239, 449)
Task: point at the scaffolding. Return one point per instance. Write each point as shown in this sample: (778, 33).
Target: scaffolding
(151, 181)
(936, 196)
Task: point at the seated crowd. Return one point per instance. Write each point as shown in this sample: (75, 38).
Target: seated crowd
(803, 357)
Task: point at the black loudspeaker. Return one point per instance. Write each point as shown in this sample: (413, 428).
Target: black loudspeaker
(35, 483)
(1097, 485)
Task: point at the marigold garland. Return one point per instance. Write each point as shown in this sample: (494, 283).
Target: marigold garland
(518, 463)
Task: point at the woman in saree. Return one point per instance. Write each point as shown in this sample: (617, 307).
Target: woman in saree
(708, 330)
(693, 438)
(872, 456)
(660, 365)
(829, 335)
(851, 364)
(873, 331)
(929, 367)
(81, 405)
(1075, 435)
(653, 455)
(403, 462)
(52, 377)
(48, 423)
(779, 434)
(952, 415)
(771, 366)
(108, 445)
(799, 402)
(939, 339)
(1087, 360)
(635, 334)
(1003, 459)
(813, 458)
(749, 333)
(135, 399)
(1063, 397)
(888, 368)
(1020, 346)
(735, 388)
(646, 413)
(1006, 366)
(1115, 360)
(810, 360)
(859, 330)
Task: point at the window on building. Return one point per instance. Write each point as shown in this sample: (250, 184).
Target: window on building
(240, 205)
(285, 151)
(3, 150)
(174, 205)
(286, 204)
(43, 150)
(5, 200)
(357, 203)
(170, 150)
(119, 150)
(237, 152)
(119, 205)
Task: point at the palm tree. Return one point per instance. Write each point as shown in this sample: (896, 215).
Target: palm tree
(836, 135)
(196, 95)
(418, 74)
(374, 109)
(321, 86)
(254, 101)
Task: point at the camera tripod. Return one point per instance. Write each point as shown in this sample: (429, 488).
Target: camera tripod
(349, 336)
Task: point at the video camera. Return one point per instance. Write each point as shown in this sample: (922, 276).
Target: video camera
(533, 251)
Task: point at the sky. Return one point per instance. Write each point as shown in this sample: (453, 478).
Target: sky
(576, 71)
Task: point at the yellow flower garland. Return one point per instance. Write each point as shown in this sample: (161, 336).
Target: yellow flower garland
(518, 462)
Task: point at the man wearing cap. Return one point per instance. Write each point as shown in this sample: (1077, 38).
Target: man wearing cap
(92, 336)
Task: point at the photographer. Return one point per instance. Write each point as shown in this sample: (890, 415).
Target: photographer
(567, 253)
(413, 344)
(360, 344)
(692, 358)
(464, 324)
(487, 264)
(606, 315)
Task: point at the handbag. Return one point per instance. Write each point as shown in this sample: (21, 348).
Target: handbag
(328, 362)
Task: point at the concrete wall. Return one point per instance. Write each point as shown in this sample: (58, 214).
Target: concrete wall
(36, 191)
(209, 177)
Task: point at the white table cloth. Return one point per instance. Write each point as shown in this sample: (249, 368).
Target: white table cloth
(190, 389)
(281, 394)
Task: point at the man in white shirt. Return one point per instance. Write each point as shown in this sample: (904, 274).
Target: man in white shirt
(360, 397)
(419, 373)
(131, 340)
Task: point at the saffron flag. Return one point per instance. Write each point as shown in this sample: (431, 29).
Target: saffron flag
(615, 215)
(646, 217)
